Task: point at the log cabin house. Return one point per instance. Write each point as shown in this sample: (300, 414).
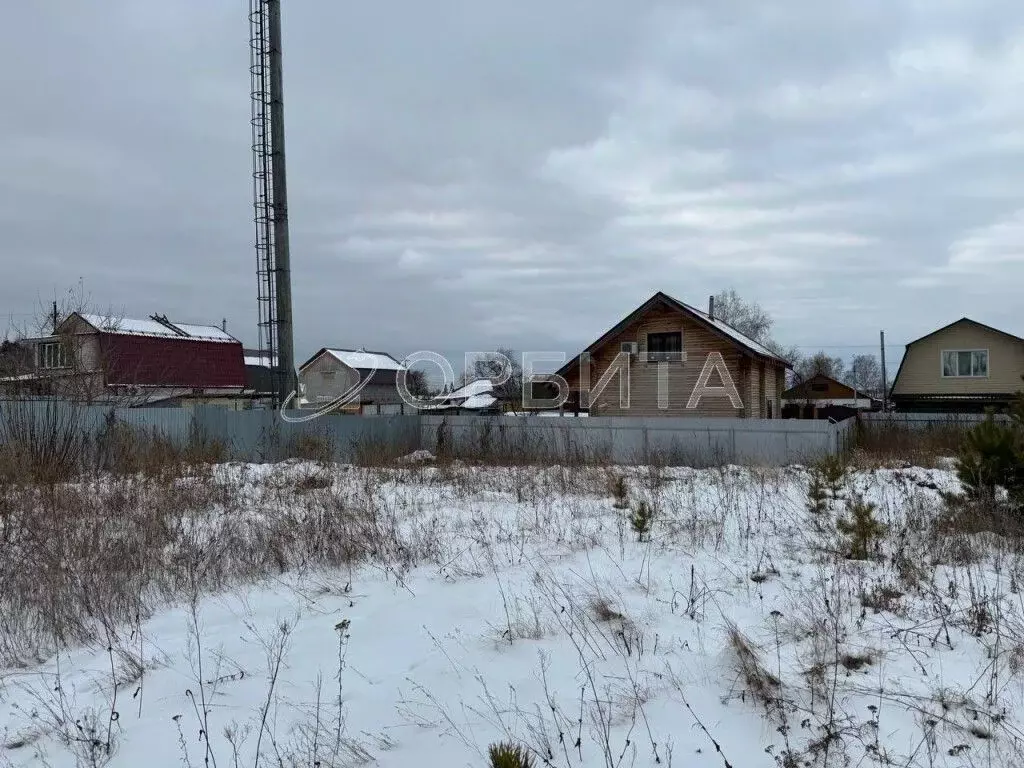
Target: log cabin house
(667, 358)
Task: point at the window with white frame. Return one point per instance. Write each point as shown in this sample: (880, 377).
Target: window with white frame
(965, 363)
(51, 355)
(666, 347)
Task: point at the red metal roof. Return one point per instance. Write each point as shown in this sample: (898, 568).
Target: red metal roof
(179, 362)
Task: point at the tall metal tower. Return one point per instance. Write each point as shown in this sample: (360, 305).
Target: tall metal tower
(270, 196)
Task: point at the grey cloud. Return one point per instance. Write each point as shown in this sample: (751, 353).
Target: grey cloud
(474, 175)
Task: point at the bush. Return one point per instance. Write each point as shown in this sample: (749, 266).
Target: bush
(507, 755)
(992, 456)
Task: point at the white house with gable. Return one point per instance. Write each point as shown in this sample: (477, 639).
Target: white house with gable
(331, 372)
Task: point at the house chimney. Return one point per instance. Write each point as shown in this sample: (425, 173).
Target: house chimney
(711, 307)
(224, 325)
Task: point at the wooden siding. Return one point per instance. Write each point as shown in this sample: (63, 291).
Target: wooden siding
(921, 370)
(757, 390)
(821, 387)
(698, 343)
(777, 385)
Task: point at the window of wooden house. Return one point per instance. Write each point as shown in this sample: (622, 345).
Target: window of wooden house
(665, 347)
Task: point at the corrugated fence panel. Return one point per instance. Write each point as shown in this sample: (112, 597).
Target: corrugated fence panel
(174, 424)
(263, 436)
(683, 441)
(927, 420)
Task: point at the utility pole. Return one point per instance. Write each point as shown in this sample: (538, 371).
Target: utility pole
(885, 376)
(285, 338)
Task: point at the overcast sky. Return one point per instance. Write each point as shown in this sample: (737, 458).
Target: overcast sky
(470, 174)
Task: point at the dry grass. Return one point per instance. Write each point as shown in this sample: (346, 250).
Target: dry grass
(83, 558)
(759, 683)
(881, 444)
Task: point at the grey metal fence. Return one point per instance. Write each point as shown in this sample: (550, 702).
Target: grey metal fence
(263, 436)
(926, 420)
(681, 441)
(246, 435)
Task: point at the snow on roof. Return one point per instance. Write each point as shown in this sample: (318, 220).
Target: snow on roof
(362, 360)
(136, 327)
(473, 388)
(479, 401)
(263, 360)
(728, 330)
(477, 394)
(209, 332)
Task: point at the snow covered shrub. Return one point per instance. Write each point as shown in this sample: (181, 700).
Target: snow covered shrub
(832, 471)
(861, 528)
(827, 479)
(507, 755)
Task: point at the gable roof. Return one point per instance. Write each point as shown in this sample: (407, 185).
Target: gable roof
(975, 323)
(715, 325)
(154, 328)
(804, 390)
(965, 320)
(358, 359)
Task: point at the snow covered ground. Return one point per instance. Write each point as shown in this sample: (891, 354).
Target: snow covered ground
(518, 604)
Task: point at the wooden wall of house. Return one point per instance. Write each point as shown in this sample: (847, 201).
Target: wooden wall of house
(757, 389)
(776, 380)
(698, 343)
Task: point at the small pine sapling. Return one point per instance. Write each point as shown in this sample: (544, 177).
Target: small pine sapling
(833, 475)
(817, 496)
(992, 455)
(861, 528)
(619, 491)
(506, 755)
(641, 519)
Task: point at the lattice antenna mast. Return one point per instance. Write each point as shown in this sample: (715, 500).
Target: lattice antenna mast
(270, 195)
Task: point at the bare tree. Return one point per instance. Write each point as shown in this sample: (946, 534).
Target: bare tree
(751, 319)
(820, 363)
(504, 363)
(418, 383)
(747, 317)
(865, 374)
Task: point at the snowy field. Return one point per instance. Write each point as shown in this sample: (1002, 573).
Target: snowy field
(466, 606)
